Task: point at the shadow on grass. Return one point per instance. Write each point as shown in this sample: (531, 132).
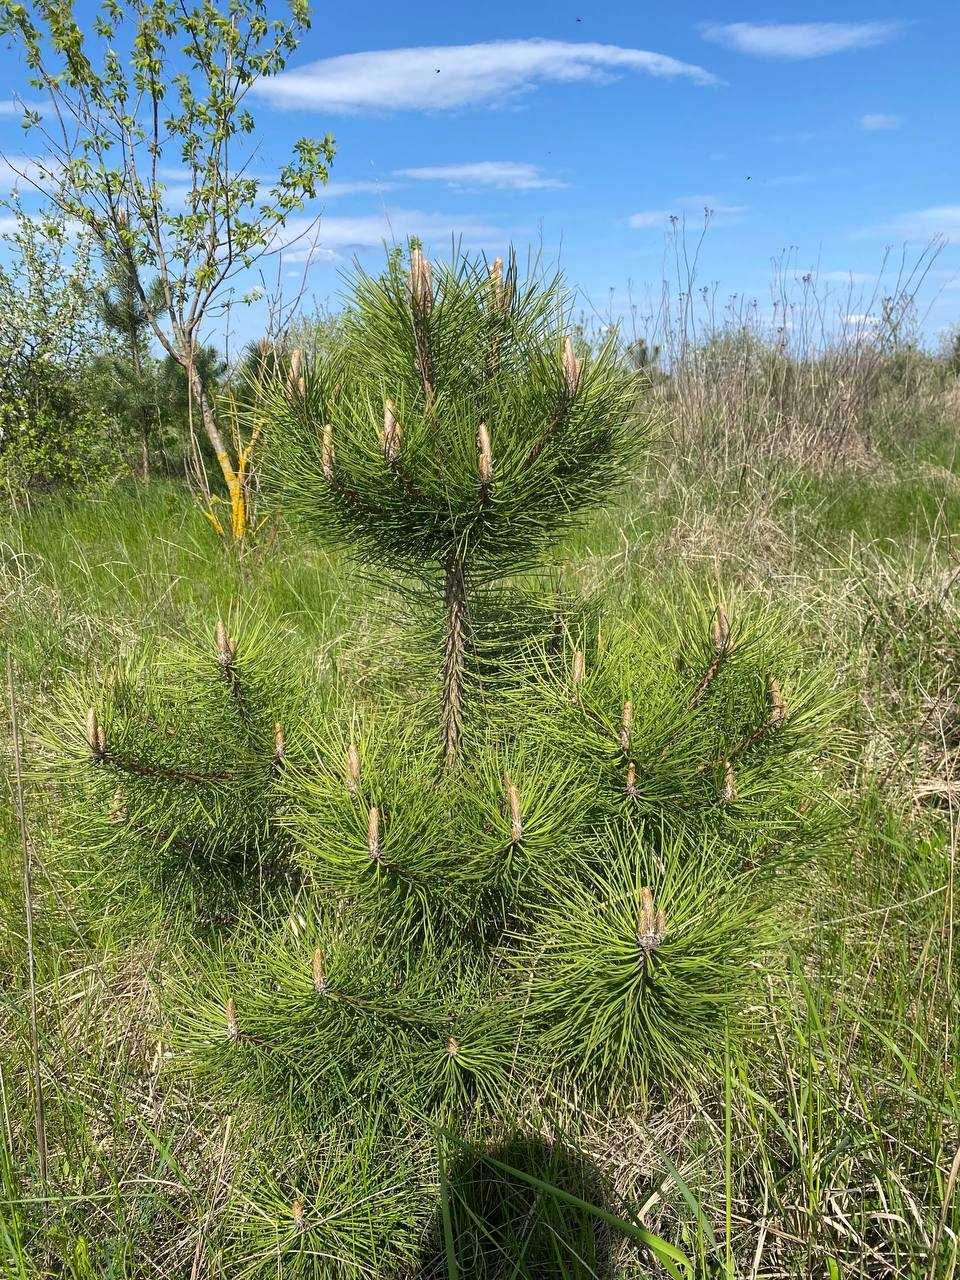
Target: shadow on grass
(494, 1224)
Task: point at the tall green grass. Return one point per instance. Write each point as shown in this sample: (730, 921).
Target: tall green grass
(826, 1150)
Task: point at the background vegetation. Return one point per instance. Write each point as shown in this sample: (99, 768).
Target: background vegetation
(815, 472)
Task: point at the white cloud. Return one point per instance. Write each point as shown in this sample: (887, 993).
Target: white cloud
(798, 39)
(859, 320)
(876, 121)
(337, 190)
(718, 211)
(328, 237)
(717, 208)
(177, 193)
(509, 174)
(437, 77)
(650, 218)
(939, 222)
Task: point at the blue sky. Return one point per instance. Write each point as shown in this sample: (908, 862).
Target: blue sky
(579, 128)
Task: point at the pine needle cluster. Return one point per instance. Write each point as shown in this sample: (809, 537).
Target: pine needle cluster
(557, 870)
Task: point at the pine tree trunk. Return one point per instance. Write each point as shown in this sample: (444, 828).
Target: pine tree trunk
(232, 478)
(144, 455)
(456, 636)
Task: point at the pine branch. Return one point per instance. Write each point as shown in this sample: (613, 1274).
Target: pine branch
(722, 646)
(571, 384)
(165, 773)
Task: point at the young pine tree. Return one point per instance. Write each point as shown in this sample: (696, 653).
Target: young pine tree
(131, 368)
(454, 438)
(548, 877)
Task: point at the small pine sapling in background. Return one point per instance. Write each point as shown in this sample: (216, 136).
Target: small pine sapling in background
(552, 879)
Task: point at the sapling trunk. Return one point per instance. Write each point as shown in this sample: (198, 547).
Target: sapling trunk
(233, 476)
(455, 645)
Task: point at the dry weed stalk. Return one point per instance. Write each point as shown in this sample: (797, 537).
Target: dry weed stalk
(814, 378)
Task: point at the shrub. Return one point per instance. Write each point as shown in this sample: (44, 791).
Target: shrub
(54, 428)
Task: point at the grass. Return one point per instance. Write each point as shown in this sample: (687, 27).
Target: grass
(826, 1150)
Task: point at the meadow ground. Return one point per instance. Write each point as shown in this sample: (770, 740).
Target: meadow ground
(831, 1147)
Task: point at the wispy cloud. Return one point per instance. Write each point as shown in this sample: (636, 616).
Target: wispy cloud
(650, 218)
(939, 222)
(17, 106)
(21, 173)
(847, 277)
(798, 39)
(707, 205)
(508, 174)
(177, 192)
(329, 237)
(874, 122)
(787, 180)
(438, 77)
(338, 190)
(713, 205)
